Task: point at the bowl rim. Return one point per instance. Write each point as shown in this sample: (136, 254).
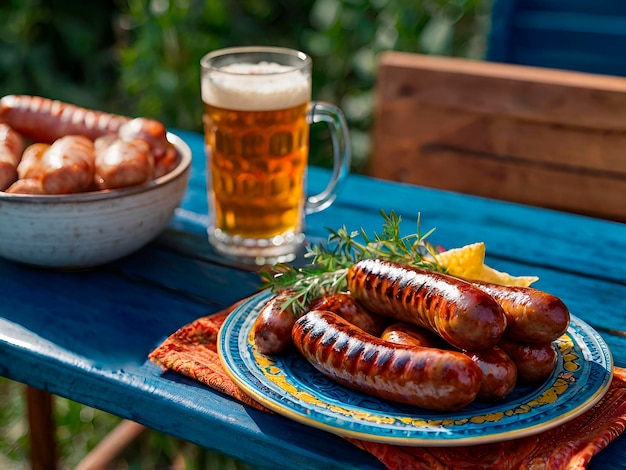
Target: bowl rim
(185, 162)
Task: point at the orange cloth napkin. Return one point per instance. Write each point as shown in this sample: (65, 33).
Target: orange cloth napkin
(192, 351)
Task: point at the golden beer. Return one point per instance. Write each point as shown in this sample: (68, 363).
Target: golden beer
(256, 116)
(257, 162)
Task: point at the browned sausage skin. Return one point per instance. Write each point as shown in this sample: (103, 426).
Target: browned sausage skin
(407, 333)
(11, 146)
(425, 377)
(26, 186)
(149, 130)
(534, 362)
(122, 163)
(272, 327)
(42, 120)
(499, 372)
(45, 120)
(30, 165)
(346, 306)
(67, 166)
(11, 139)
(533, 316)
(459, 312)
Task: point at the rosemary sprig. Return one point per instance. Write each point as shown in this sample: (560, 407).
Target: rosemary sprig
(330, 261)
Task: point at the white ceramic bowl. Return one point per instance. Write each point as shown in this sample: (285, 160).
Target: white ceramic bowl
(77, 231)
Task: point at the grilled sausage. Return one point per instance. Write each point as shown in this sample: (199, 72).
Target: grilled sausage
(534, 362)
(8, 168)
(68, 165)
(409, 334)
(459, 312)
(10, 138)
(166, 162)
(150, 130)
(26, 186)
(425, 377)
(30, 166)
(533, 316)
(11, 147)
(499, 372)
(122, 163)
(346, 306)
(272, 327)
(45, 120)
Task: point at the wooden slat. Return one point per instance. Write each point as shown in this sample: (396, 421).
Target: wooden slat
(532, 93)
(542, 137)
(103, 456)
(512, 181)
(532, 141)
(41, 429)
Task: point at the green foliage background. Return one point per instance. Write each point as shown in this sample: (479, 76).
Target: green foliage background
(141, 58)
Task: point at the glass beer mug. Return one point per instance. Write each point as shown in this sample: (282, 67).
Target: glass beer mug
(257, 113)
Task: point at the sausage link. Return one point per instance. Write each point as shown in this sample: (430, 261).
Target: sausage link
(8, 168)
(11, 139)
(26, 186)
(410, 334)
(68, 165)
(123, 163)
(533, 316)
(30, 166)
(11, 147)
(425, 377)
(346, 306)
(534, 362)
(166, 162)
(459, 312)
(46, 120)
(150, 130)
(272, 327)
(499, 374)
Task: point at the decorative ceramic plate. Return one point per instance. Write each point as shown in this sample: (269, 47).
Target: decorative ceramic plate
(290, 386)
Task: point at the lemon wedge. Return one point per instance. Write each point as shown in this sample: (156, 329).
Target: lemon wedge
(468, 262)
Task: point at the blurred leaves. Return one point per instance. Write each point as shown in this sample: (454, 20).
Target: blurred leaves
(80, 428)
(141, 57)
(58, 48)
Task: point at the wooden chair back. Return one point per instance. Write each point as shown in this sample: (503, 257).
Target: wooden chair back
(548, 138)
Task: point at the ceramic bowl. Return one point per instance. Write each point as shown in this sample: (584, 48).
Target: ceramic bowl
(77, 231)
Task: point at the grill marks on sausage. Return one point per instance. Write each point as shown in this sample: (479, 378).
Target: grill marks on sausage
(346, 306)
(467, 317)
(462, 314)
(430, 378)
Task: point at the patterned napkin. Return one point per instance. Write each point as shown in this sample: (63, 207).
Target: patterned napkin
(192, 351)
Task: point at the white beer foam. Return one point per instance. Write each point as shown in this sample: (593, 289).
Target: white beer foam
(262, 86)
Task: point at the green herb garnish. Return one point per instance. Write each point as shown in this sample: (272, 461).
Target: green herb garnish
(330, 261)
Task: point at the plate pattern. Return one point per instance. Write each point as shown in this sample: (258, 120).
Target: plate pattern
(289, 385)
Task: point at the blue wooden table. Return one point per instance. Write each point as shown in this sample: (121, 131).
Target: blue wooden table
(86, 335)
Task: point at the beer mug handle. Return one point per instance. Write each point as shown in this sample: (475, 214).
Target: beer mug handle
(320, 111)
